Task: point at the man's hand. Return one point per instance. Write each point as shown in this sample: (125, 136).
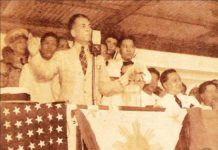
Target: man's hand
(129, 74)
(33, 45)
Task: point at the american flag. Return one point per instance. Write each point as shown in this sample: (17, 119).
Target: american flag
(33, 126)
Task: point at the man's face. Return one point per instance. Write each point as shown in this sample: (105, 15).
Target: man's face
(174, 84)
(81, 30)
(111, 45)
(8, 56)
(210, 94)
(127, 49)
(19, 45)
(154, 82)
(63, 44)
(48, 47)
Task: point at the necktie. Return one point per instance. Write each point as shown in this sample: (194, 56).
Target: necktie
(178, 101)
(83, 60)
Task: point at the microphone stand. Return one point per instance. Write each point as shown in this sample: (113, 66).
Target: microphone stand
(93, 74)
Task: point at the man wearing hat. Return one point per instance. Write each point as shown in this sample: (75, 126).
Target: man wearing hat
(16, 39)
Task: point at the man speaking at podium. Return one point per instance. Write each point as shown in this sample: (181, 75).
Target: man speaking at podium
(75, 67)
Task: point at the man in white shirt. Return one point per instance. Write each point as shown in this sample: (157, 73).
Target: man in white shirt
(118, 68)
(74, 67)
(148, 96)
(42, 90)
(174, 100)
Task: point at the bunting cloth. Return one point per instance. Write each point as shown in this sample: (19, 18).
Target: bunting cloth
(33, 126)
(129, 130)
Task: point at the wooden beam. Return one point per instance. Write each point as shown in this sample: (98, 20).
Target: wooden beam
(122, 14)
(4, 5)
(82, 4)
(208, 25)
(37, 29)
(176, 46)
(35, 22)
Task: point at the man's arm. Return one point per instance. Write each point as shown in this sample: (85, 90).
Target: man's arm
(108, 87)
(43, 69)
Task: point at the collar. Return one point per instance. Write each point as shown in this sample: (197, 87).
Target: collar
(78, 46)
(126, 63)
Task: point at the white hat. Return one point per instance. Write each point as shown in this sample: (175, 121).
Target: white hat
(12, 34)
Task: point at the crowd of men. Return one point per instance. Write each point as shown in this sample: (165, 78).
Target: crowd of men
(53, 71)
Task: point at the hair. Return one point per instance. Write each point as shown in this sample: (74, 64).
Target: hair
(204, 85)
(73, 18)
(155, 71)
(49, 34)
(129, 37)
(216, 82)
(164, 75)
(158, 91)
(185, 87)
(111, 35)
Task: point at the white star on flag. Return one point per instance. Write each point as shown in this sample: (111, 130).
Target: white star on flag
(41, 143)
(31, 146)
(59, 117)
(49, 105)
(18, 124)
(6, 112)
(19, 136)
(50, 129)
(27, 108)
(58, 106)
(30, 133)
(40, 131)
(49, 117)
(28, 121)
(39, 119)
(8, 137)
(7, 124)
(37, 106)
(33, 126)
(59, 129)
(9, 148)
(16, 110)
(20, 148)
(51, 141)
(59, 141)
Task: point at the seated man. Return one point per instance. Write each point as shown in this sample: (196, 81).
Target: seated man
(41, 90)
(208, 94)
(148, 96)
(174, 100)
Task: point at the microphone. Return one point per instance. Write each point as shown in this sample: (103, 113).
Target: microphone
(96, 43)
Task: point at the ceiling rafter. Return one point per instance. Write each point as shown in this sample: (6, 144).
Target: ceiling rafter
(122, 14)
(33, 25)
(36, 22)
(178, 46)
(209, 25)
(80, 4)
